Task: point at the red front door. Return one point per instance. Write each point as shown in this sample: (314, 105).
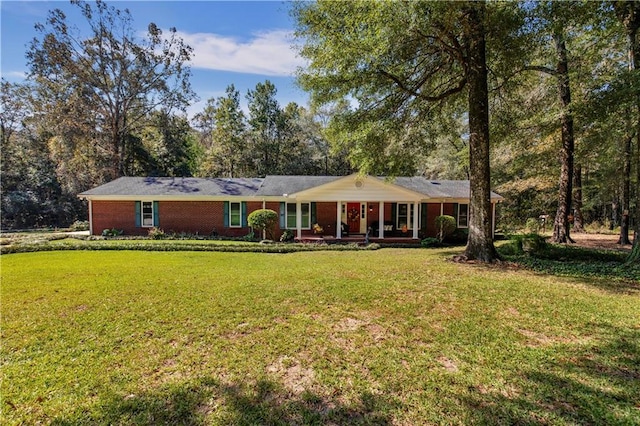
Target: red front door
(353, 217)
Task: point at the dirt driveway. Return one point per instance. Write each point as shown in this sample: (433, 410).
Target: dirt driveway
(599, 241)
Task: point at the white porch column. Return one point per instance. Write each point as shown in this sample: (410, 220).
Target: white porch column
(299, 219)
(441, 208)
(339, 219)
(381, 219)
(416, 216)
(493, 220)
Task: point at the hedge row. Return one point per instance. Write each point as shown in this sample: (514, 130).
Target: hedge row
(123, 245)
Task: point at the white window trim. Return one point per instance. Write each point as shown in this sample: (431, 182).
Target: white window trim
(409, 215)
(153, 214)
(231, 203)
(286, 215)
(458, 221)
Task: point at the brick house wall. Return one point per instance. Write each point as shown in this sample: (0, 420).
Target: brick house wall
(115, 214)
(205, 217)
(192, 217)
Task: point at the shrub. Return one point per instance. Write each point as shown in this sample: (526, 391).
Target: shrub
(446, 225)
(526, 243)
(113, 232)
(430, 242)
(157, 234)
(287, 236)
(263, 220)
(459, 236)
(80, 225)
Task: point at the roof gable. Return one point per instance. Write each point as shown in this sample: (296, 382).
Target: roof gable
(358, 188)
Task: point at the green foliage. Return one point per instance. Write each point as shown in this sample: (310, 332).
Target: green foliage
(532, 243)
(263, 220)
(97, 85)
(112, 232)
(241, 246)
(458, 236)
(430, 242)
(287, 236)
(532, 225)
(445, 225)
(533, 252)
(80, 225)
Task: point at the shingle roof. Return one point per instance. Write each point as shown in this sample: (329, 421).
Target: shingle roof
(274, 185)
(269, 186)
(149, 186)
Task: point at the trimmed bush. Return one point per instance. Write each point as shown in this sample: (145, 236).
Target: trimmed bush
(263, 220)
(445, 225)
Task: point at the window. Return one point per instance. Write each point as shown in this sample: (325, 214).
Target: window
(404, 217)
(463, 215)
(291, 216)
(235, 215)
(147, 214)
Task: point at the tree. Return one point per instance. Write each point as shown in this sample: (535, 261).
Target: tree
(32, 193)
(108, 82)
(223, 133)
(265, 128)
(628, 13)
(400, 62)
(170, 145)
(552, 20)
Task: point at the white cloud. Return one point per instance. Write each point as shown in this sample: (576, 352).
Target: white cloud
(267, 53)
(14, 75)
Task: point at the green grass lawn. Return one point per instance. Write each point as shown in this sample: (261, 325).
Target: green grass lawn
(392, 336)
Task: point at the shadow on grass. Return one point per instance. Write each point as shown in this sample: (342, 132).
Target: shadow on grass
(605, 269)
(208, 400)
(596, 385)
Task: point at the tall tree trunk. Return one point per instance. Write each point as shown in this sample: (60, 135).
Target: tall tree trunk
(561, 223)
(480, 243)
(629, 14)
(578, 219)
(626, 192)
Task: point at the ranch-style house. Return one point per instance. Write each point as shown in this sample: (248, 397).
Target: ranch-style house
(311, 206)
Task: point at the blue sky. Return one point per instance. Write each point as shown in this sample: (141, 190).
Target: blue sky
(235, 42)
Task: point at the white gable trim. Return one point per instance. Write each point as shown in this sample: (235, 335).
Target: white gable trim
(356, 187)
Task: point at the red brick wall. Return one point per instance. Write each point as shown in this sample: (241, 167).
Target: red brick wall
(203, 217)
(326, 217)
(193, 217)
(115, 214)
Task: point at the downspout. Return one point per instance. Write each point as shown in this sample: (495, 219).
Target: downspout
(493, 221)
(90, 218)
(264, 231)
